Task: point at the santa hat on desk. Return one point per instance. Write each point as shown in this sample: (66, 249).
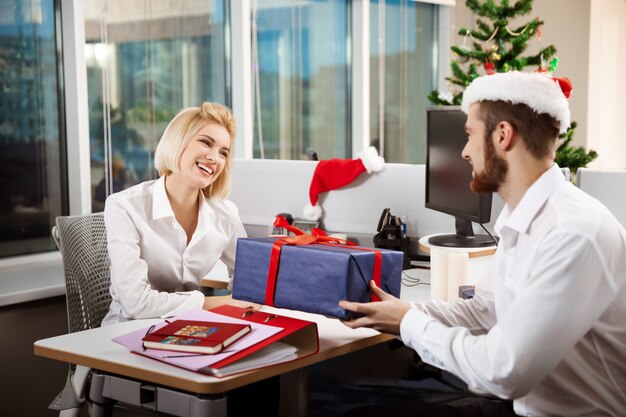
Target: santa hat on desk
(538, 90)
(332, 174)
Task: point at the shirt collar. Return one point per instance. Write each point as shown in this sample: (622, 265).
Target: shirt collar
(205, 215)
(161, 207)
(535, 197)
(205, 212)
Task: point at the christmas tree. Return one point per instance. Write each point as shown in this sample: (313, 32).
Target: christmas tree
(573, 157)
(496, 47)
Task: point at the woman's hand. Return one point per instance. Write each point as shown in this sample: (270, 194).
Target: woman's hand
(218, 300)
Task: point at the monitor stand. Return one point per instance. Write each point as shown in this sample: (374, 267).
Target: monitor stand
(464, 237)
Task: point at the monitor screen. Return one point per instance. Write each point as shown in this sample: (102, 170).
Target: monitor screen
(448, 178)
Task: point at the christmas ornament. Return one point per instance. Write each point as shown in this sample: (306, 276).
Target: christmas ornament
(493, 54)
(565, 84)
(489, 68)
(553, 64)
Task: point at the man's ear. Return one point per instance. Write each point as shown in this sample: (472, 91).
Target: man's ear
(504, 136)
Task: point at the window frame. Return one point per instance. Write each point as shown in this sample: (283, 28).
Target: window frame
(77, 114)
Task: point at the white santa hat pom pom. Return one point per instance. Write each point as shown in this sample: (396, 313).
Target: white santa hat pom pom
(313, 213)
(371, 160)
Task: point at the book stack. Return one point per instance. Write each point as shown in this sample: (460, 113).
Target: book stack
(270, 340)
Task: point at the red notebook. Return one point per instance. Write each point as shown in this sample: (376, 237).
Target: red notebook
(195, 336)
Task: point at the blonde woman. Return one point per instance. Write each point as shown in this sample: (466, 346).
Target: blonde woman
(165, 235)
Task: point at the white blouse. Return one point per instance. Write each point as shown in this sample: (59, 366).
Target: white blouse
(154, 273)
(547, 326)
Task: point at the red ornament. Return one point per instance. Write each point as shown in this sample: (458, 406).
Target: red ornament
(490, 68)
(565, 84)
(538, 34)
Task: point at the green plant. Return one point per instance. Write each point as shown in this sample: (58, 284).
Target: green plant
(573, 157)
(496, 47)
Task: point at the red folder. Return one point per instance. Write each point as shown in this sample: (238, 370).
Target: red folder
(301, 335)
(296, 332)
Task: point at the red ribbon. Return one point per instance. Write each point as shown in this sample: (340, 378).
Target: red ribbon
(317, 236)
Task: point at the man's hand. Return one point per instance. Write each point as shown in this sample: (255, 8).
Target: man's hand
(384, 315)
(218, 300)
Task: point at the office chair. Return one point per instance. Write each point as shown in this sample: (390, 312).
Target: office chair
(83, 245)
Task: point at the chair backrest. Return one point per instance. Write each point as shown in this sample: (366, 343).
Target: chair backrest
(83, 245)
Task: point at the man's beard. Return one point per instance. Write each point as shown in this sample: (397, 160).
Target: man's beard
(492, 176)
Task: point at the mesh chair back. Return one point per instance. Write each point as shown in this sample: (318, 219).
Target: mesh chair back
(83, 244)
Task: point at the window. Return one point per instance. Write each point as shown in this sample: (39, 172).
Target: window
(403, 70)
(301, 78)
(33, 188)
(145, 61)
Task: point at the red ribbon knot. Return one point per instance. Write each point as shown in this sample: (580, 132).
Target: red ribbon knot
(319, 237)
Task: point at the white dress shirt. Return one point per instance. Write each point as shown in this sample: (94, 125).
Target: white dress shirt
(154, 272)
(547, 326)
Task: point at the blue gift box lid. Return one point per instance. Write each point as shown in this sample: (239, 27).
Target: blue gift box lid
(312, 278)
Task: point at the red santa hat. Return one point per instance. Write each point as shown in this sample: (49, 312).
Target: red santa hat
(538, 90)
(332, 174)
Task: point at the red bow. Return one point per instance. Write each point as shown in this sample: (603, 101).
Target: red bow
(317, 236)
(565, 84)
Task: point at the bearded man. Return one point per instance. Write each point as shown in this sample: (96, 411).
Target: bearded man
(546, 330)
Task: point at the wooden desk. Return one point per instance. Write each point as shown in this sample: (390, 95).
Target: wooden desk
(417, 291)
(95, 349)
(216, 282)
(217, 278)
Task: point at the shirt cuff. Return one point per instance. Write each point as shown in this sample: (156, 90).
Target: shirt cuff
(193, 301)
(412, 331)
(413, 325)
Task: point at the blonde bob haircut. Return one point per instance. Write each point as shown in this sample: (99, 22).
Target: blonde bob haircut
(182, 129)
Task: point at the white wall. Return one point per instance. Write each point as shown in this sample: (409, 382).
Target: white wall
(263, 188)
(607, 86)
(566, 26)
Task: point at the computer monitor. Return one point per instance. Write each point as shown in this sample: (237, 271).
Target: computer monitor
(448, 178)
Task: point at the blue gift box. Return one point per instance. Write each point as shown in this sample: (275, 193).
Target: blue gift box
(312, 278)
